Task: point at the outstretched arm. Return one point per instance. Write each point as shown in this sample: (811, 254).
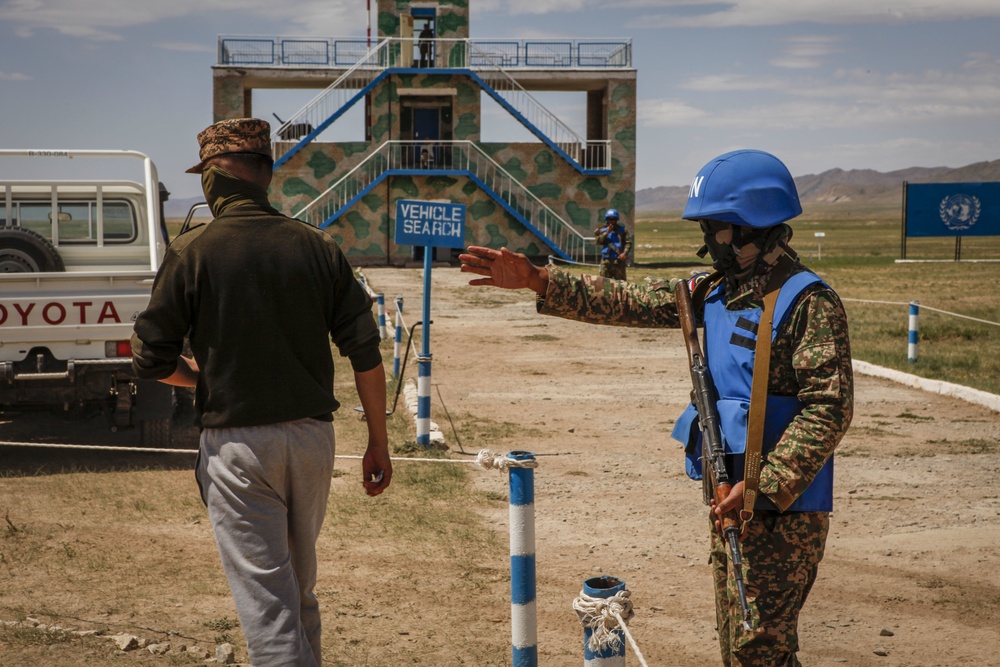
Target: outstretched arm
(503, 268)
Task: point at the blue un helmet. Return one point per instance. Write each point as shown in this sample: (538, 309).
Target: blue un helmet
(745, 187)
(612, 213)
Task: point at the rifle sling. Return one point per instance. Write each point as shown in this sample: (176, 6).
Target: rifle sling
(702, 289)
(758, 393)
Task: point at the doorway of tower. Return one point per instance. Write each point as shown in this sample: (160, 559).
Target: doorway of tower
(427, 122)
(425, 27)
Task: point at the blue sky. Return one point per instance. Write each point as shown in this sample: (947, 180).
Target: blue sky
(854, 84)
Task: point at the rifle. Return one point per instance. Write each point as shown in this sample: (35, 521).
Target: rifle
(715, 479)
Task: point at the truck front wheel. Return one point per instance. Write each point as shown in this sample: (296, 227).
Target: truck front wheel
(154, 433)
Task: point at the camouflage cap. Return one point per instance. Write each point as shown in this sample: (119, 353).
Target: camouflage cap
(237, 135)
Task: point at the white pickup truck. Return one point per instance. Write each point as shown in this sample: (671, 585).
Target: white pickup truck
(77, 261)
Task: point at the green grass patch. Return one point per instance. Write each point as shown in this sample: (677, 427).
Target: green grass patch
(858, 258)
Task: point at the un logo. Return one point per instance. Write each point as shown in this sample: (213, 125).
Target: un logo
(959, 212)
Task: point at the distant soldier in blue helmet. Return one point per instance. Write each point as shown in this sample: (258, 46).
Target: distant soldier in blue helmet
(615, 246)
(742, 200)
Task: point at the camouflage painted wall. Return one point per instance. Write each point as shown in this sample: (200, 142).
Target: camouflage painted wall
(452, 17)
(581, 199)
(365, 231)
(230, 97)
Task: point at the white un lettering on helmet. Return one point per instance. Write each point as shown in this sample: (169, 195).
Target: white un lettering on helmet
(696, 184)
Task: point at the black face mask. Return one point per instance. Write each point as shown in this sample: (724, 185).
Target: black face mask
(223, 190)
(724, 257)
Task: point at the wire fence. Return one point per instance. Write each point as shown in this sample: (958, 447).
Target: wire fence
(923, 307)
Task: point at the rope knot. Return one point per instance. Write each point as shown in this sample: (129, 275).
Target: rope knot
(603, 616)
(490, 460)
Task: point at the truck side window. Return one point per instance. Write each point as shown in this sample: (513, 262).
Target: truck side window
(78, 221)
(36, 217)
(119, 223)
(75, 223)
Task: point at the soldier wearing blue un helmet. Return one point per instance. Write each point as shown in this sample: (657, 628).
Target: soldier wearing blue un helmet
(615, 246)
(748, 195)
(743, 201)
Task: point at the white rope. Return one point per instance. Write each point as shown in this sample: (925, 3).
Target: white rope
(603, 616)
(553, 259)
(104, 448)
(157, 450)
(923, 307)
(407, 458)
(489, 460)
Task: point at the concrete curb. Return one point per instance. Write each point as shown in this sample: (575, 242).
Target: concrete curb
(991, 401)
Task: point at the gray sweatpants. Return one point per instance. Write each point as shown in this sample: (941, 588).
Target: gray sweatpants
(266, 489)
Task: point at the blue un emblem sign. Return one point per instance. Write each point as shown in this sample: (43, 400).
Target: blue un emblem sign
(959, 212)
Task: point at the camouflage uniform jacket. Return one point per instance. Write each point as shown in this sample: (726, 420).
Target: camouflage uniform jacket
(810, 359)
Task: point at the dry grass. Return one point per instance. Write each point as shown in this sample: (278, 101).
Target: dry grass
(122, 544)
(857, 258)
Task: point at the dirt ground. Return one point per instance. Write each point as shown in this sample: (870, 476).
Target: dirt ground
(909, 577)
(916, 528)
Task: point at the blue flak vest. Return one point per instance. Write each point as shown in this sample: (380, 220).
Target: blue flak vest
(614, 244)
(730, 343)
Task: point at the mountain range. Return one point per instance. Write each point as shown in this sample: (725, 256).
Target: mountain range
(837, 187)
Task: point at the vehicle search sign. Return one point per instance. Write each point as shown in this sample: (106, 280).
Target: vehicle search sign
(430, 223)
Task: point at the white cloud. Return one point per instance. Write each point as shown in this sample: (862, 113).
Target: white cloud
(14, 76)
(727, 83)
(746, 13)
(806, 52)
(669, 113)
(531, 6)
(185, 46)
(852, 98)
(104, 20)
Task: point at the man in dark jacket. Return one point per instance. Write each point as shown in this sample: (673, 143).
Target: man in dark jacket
(261, 296)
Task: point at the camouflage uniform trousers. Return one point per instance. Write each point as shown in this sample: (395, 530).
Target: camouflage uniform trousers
(613, 268)
(781, 554)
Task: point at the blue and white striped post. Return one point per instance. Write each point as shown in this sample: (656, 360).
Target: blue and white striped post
(424, 360)
(424, 399)
(383, 333)
(397, 345)
(603, 587)
(523, 614)
(911, 348)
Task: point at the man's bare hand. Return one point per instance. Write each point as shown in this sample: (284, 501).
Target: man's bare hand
(503, 268)
(376, 469)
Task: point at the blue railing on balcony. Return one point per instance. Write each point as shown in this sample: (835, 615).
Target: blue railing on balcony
(306, 125)
(280, 51)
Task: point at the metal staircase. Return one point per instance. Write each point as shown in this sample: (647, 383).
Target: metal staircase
(388, 55)
(309, 121)
(502, 87)
(456, 158)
